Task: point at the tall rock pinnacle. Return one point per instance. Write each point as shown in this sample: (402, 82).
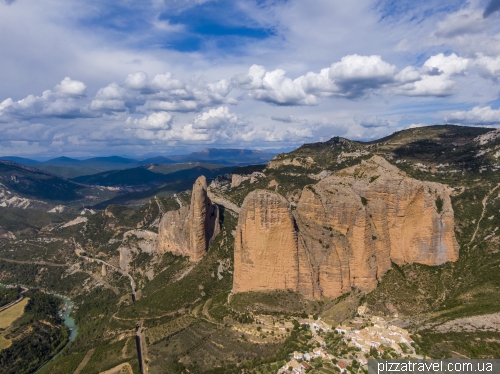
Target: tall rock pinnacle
(189, 231)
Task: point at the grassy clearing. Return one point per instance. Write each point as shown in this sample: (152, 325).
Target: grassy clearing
(63, 364)
(4, 343)
(108, 356)
(478, 345)
(160, 332)
(14, 312)
(120, 369)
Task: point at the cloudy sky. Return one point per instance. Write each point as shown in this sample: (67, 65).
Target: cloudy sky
(85, 78)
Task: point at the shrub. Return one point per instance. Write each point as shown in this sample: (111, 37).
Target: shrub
(439, 204)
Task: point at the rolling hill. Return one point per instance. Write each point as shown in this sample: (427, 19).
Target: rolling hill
(33, 183)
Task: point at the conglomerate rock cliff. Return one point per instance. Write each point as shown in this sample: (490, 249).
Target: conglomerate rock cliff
(265, 253)
(344, 233)
(190, 230)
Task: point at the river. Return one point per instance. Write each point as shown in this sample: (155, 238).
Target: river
(68, 321)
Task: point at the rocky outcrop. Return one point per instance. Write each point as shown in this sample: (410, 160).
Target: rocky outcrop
(189, 231)
(221, 182)
(133, 243)
(4, 234)
(10, 199)
(488, 137)
(203, 220)
(221, 200)
(237, 179)
(57, 209)
(344, 233)
(142, 239)
(278, 161)
(265, 251)
(74, 222)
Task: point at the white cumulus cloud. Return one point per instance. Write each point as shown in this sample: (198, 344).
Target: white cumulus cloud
(67, 100)
(71, 87)
(488, 67)
(435, 76)
(354, 76)
(274, 87)
(155, 121)
(215, 125)
(477, 115)
(165, 93)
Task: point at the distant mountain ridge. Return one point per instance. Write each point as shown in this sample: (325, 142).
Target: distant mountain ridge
(21, 160)
(226, 156)
(68, 167)
(142, 176)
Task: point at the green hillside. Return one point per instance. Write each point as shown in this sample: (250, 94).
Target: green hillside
(36, 184)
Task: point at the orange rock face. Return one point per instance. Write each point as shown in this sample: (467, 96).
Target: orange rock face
(189, 231)
(265, 250)
(203, 219)
(348, 229)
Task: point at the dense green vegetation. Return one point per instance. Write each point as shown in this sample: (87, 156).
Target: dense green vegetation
(8, 295)
(129, 177)
(36, 336)
(36, 184)
(478, 344)
(67, 171)
(39, 276)
(23, 222)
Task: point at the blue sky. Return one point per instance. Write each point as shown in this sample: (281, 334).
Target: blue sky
(129, 78)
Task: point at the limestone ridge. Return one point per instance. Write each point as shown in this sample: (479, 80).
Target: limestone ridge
(344, 233)
(190, 230)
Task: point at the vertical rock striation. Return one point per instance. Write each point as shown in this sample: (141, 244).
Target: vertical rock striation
(204, 220)
(189, 231)
(265, 249)
(345, 232)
